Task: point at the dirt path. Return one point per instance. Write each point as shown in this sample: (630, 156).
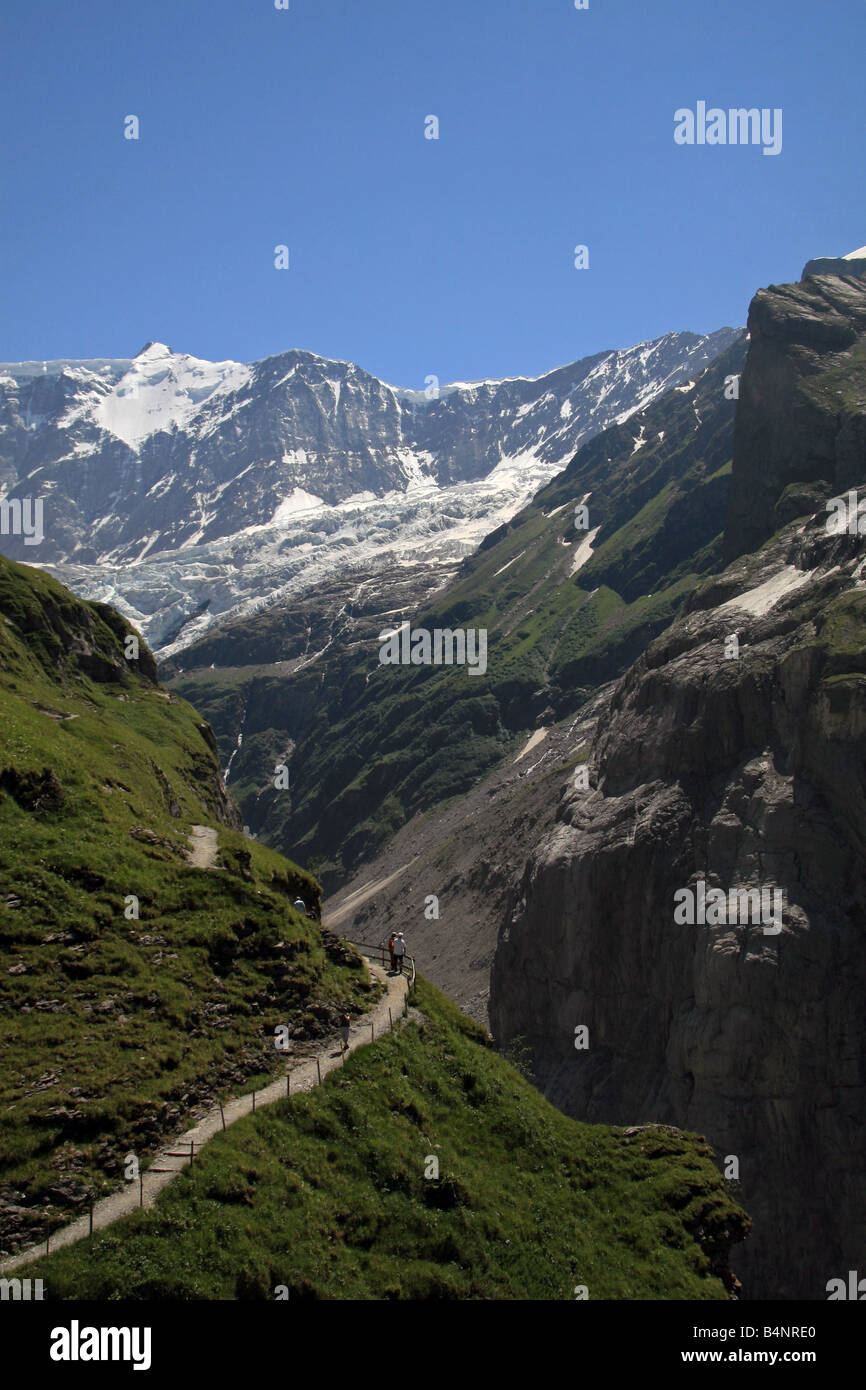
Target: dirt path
(338, 914)
(172, 1160)
(203, 847)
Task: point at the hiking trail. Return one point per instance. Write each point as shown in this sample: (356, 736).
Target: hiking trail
(203, 847)
(171, 1160)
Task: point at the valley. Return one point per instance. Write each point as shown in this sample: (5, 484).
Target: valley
(432, 679)
(620, 828)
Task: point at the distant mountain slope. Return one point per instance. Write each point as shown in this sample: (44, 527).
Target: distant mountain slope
(112, 1024)
(179, 489)
(468, 852)
(368, 745)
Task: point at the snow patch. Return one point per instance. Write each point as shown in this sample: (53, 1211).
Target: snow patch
(162, 389)
(297, 502)
(584, 551)
(148, 543)
(504, 567)
(538, 737)
(761, 599)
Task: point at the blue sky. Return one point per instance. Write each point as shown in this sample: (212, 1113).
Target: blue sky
(410, 256)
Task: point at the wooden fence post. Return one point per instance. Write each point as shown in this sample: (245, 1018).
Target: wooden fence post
(372, 1032)
(222, 1113)
(319, 1070)
(254, 1102)
(390, 1018)
(140, 1188)
(191, 1152)
(91, 1216)
(288, 1083)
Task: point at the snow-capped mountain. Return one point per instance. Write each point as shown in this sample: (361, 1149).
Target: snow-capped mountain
(182, 490)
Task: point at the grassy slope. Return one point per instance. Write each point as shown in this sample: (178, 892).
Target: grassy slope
(115, 1026)
(326, 1195)
(377, 743)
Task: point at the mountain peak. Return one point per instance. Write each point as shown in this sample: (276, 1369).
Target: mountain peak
(151, 351)
(226, 447)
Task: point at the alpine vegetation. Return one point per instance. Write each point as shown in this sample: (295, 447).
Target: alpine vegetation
(452, 647)
(737, 126)
(702, 906)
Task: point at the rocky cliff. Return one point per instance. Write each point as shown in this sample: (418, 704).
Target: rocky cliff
(739, 764)
(800, 431)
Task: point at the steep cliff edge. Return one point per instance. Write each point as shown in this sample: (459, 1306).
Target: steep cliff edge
(800, 431)
(742, 771)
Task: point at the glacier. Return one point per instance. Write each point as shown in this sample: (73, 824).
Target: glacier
(185, 492)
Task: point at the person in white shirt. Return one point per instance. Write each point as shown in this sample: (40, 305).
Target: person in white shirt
(399, 951)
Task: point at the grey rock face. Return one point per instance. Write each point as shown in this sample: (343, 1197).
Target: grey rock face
(740, 772)
(834, 265)
(800, 432)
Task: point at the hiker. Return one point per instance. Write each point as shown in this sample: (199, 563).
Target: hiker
(391, 939)
(345, 1022)
(399, 952)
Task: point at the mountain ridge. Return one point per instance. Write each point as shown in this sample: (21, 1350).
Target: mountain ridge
(263, 480)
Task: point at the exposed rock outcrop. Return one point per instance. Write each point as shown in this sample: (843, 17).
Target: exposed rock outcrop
(836, 265)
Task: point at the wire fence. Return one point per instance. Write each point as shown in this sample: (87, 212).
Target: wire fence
(369, 948)
(174, 1156)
